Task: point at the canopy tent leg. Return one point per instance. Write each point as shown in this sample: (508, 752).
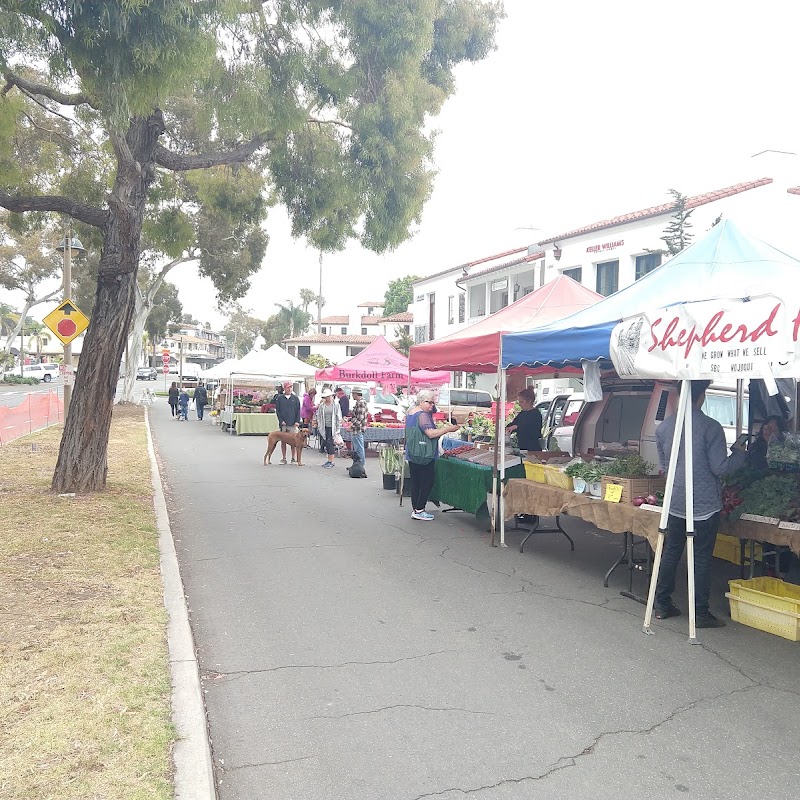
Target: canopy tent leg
(494, 466)
(683, 402)
(500, 439)
(688, 456)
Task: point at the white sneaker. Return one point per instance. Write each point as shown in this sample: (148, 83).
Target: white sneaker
(422, 515)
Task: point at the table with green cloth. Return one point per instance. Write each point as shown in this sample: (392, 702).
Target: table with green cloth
(464, 485)
(251, 424)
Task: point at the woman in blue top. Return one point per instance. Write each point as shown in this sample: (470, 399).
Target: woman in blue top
(421, 415)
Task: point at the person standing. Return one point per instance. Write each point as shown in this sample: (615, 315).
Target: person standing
(421, 417)
(172, 399)
(287, 409)
(329, 422)
(307, 408)
(710, 460)
(358, 419)
(528, 423)
(200, 400)
(344, 402)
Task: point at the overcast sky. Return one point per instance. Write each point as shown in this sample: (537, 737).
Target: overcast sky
(586, 110)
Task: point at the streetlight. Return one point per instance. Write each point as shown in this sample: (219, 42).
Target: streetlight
(71, 247)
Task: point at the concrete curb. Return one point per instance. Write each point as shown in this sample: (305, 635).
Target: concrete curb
(194, 771)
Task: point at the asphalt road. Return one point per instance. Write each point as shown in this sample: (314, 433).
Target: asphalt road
(350, 653)
(13, 395)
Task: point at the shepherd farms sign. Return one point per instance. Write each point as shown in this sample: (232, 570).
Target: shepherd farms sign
(709, 339)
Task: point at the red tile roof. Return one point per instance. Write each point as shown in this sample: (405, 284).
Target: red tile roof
(465, 267)
(373, 320)
(373, 304)
(794, 190)
(506, 265)
(664, 208)
(342, 320)
(401, 316)
(333, 338)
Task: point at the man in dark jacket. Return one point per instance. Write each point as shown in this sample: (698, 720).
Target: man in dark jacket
(344, 401)
(200, 400)
(287, 409)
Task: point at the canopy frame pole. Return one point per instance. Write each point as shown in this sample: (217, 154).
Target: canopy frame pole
(496, 456)
(739, 407)
(683, 402)
(688, 459)
(403, 449)
(500, 440)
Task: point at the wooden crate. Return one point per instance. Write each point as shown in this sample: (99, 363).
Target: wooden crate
(635, 487)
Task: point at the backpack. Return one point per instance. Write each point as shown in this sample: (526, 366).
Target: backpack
(420, 448)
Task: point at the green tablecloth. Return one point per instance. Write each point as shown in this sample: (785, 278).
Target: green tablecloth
(252, 424)
(465, 486)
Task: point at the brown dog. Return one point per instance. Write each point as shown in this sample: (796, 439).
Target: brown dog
(297, 441)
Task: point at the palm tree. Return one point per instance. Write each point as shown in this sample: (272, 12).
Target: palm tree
(293, 318)
(8, 319)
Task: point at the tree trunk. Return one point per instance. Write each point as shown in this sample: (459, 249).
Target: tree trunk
(141, 310)
(82, 458)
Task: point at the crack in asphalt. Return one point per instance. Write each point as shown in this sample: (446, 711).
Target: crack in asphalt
(565, 762)
(216, 675)
(402, 705)
(223, 768)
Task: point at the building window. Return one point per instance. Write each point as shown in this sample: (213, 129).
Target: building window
(303, 351)
(420, 334)
(458, 380)
(354, 351)
(431, 316)
(607, 278)
(462, 307)
(324, 329)
(576, 273)
(344, 331)
(290, 349)
(477, 300)
(451, 309)
(499, 296)
(363, 331)
(647, 263)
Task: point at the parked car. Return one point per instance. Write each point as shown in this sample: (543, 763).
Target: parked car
(146, 374)
(380, 401)
(44, 372)
(554, 411)
(458, 403)
(630, 412)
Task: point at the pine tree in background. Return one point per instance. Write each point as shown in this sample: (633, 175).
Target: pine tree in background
(676, 235)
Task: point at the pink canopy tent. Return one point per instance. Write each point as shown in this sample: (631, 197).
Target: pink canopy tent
(380, 362)
(476, 348)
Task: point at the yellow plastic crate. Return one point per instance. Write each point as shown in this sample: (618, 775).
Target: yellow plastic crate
(555, 477)
(728, 549)
(534, 472)
(768, 604)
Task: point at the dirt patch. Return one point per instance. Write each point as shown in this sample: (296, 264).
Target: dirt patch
(84, 678)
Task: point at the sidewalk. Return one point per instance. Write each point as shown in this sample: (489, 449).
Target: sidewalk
(349, 652)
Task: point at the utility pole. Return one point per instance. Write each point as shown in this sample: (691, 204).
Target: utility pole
(67, 291)
(319, 298)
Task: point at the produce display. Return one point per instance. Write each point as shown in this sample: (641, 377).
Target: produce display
(633, 466)
(457, 452)
(785, 455)
(752, 492)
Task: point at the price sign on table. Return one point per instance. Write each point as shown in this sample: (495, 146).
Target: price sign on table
(613, 493)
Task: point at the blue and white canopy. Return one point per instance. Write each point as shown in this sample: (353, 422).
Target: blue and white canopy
(726, 263)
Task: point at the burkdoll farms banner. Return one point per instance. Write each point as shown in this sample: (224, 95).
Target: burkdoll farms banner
(710, 339)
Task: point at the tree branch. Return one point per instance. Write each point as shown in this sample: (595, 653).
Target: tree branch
(330, 122)
(91, 215)
(31, 87)
(178, 162)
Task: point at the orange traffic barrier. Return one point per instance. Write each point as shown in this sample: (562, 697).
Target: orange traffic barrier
(34, 412)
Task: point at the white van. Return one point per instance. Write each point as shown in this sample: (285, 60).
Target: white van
(625, 420)
(44, 372)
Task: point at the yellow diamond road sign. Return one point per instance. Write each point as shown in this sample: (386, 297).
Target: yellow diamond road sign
(66, 321)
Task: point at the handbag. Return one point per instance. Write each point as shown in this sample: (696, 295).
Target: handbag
(420, 448)
(337, 440)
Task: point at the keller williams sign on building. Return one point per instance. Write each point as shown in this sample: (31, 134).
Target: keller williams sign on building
(710, 339)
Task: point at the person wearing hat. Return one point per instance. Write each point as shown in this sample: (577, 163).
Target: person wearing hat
(287, 409)
(358, 419)
(329, 421)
